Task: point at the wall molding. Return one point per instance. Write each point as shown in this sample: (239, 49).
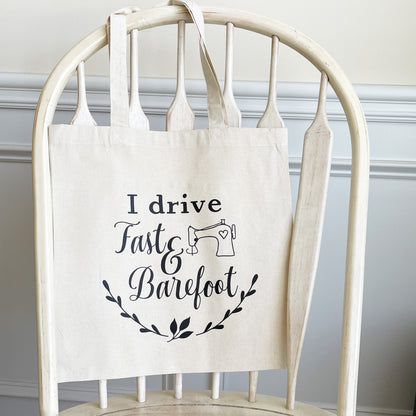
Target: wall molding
(17, 153)
(381, 103)
(88, 391)
(341, 167)
(297, 101)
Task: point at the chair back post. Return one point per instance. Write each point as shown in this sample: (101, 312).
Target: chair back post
(354, 275)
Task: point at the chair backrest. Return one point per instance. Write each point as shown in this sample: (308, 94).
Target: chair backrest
(308, 220)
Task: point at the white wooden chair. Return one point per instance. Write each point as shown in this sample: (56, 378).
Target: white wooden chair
(306, 232)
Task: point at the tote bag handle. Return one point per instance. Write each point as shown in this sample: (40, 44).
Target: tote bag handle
(217, 114)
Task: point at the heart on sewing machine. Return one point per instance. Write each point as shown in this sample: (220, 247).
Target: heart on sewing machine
(223, 233)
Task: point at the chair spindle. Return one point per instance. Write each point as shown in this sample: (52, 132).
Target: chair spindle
(137, 118)
(180, 115)
(82, 114)
(178, 386)
(215, 392)
(271, 116)
(102, 394)
(252, 386)
(141, 389)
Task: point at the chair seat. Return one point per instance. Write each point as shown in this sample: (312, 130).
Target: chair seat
(195, 403)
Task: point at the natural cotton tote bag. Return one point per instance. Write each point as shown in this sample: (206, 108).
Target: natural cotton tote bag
(170, 248)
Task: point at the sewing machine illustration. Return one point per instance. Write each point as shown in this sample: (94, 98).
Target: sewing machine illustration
(222, 232)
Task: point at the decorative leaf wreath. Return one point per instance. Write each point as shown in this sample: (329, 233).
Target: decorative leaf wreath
(179, 332)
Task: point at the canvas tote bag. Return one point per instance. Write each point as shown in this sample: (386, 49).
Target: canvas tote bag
(170, 248)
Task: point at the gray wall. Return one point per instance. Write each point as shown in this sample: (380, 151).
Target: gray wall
(387, 380)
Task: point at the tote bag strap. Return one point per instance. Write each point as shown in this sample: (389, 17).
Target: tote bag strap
(119, 100)
(217, 114)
